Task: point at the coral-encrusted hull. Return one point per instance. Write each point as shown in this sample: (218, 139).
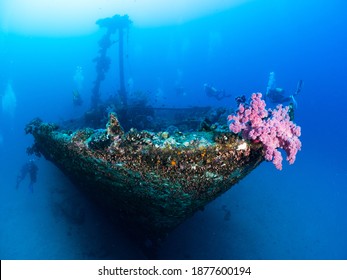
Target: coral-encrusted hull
(151, 185)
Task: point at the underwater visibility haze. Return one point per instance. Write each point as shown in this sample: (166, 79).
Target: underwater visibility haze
(152, 111)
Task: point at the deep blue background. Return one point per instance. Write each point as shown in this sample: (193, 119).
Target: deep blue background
(296, 213)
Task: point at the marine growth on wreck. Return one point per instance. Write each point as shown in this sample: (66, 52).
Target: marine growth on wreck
(152, 181)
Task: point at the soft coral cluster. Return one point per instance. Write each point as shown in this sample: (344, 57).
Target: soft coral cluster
(273, 128)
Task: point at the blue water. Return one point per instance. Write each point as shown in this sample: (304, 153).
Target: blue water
(296, 213)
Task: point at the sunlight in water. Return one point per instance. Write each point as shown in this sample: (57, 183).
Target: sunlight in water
(72, 17)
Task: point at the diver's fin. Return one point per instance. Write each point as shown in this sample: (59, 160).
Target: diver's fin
(271, 84)
(299, 87)
(294, 101)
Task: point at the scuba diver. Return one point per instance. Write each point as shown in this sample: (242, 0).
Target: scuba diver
(180, 91)
(278, 95)
(213, 92)
(240, 100)
(78, 79)
(76, 98)
(31, 169)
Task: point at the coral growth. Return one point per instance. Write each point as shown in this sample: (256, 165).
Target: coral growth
(273, 128)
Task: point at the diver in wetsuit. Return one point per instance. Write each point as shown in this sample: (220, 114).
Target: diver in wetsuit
(31, 169)
(277, 95)
(240, 100)
(211, 91)
(76, 98)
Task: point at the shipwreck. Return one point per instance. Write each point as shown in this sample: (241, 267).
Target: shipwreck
(152, 169)
(150, 181)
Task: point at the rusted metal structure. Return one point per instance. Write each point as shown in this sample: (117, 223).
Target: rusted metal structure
(150, 181)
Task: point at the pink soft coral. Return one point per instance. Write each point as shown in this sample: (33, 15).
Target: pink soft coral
(273, 128)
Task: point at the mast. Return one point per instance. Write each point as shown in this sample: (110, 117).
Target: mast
(122, 90)
(116, 23)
